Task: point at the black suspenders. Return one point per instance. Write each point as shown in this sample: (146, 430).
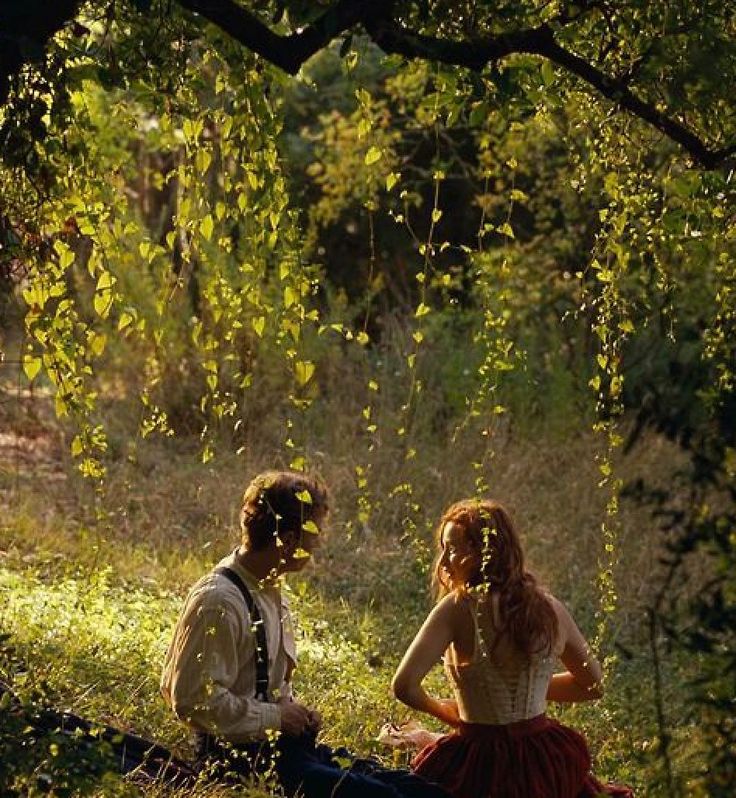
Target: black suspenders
(259, 629)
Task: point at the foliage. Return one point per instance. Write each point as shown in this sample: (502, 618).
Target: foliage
(37, 758)
(450, 257)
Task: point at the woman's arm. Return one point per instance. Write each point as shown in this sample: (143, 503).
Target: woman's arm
(431, 642)
(583, 679)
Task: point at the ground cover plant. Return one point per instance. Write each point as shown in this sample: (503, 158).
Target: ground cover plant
(469, 253)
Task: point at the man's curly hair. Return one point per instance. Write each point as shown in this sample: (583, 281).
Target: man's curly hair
(279, 502)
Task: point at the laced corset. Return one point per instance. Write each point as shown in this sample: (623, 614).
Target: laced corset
(499, 685)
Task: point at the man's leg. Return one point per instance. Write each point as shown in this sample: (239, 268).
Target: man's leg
(408, 785)
(316, 774)
(223, 761)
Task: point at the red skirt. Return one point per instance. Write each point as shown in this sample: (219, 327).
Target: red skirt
(536, 758)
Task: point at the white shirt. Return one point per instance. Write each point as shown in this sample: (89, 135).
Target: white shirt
(209, 676)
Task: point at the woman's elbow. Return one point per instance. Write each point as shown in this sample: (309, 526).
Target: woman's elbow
(401, 688)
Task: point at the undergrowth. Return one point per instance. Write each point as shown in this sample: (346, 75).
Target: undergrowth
(91, 584)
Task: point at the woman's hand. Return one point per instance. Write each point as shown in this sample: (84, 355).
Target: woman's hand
(445, 709)
(584, 676)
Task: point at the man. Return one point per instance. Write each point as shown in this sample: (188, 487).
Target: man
(228, 669)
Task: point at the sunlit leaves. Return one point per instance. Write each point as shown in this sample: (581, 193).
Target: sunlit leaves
(206, 226)
(259, 324)
(66, 256)
(374, 154)
(303, 370)
(304, 496)
(103, 294)
(31, 366)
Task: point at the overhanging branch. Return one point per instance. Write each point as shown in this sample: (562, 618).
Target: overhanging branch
(291, 51)
(286, 52)
(619, 92)
(19, 23)
(475, 55)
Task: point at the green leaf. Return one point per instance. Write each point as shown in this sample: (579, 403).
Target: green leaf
(202, 161)
(31, 366)
(422, 310)
(548, 72)
(102, 304)
(66, 259)
(304, 496)
(506, 229)
(33, 297)
(374, 154)
(290, 296)
(206, 227)
(97, 343)
(304, 369)
(259, 324)
(298, 463)
(105, 282)
(479, 114)
(126, 319)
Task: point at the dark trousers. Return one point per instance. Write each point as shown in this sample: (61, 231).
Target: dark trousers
(314, 771)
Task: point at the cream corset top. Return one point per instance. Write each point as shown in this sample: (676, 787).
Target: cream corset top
(499, 685)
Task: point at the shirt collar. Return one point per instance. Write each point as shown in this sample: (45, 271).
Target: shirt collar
(232, 561)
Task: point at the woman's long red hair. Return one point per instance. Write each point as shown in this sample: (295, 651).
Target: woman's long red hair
(527, 616)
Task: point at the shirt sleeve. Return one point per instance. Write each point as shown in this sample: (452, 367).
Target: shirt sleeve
(211, 649)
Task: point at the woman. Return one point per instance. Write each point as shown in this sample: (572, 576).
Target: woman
(501, 636)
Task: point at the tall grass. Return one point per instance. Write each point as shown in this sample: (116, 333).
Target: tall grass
(91, 582)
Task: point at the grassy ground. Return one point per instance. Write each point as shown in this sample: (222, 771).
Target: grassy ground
(90, 585)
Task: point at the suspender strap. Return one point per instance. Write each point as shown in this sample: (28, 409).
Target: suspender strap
(258, 628)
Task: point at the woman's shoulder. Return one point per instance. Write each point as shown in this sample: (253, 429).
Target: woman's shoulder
(455, 604)
(565, 621)
(558, 606)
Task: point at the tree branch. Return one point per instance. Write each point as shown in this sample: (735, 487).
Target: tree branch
(29, 22)
(286, 52)
(618, 91)
(475, 55)
(472, 53)
(290, 52)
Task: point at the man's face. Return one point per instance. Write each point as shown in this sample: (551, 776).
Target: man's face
(300, 549)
